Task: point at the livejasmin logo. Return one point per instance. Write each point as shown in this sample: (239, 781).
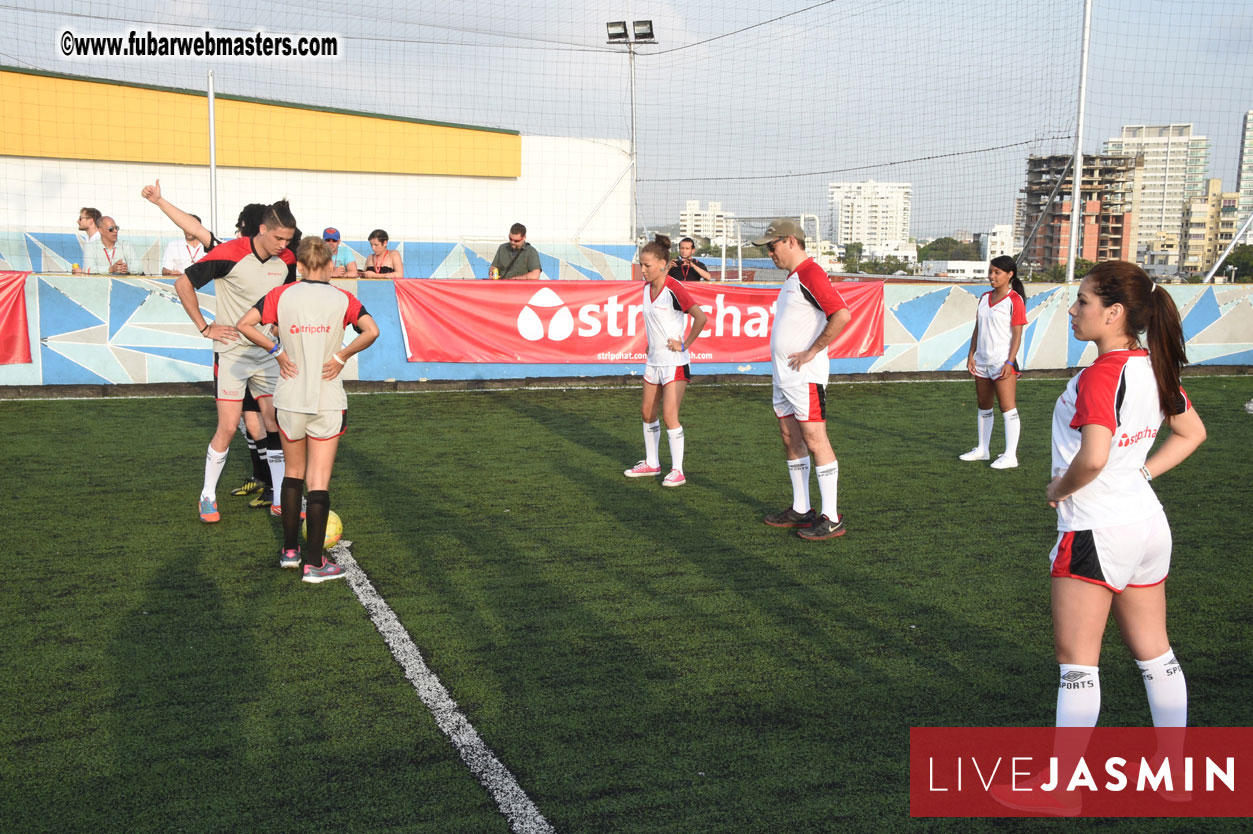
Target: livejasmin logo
(618, 319)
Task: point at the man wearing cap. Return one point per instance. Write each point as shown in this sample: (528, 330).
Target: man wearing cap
(809, 314)
(343, 264)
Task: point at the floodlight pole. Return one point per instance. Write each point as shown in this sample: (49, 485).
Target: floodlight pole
(213, 160)
(634, 169)
(1076, 208)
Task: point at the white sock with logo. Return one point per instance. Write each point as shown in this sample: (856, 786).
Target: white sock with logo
(1012, 428)
(985, 429)
(798, 471)
(214, 461)
(1078, 696)
(652, 440)
(828, 481)
(676, 448)
(1167, 690)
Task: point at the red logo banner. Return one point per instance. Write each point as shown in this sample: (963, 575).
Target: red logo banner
(14, 335)
(1101, 772)
(602, 321)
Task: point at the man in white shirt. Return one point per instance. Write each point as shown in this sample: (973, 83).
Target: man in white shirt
(180, 255)
(809, 314)
(109, 256)
(88, 223)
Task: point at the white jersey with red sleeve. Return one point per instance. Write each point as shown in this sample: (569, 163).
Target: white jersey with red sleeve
(806, 301)
(996, 320)
(664, 319)
(1117, 391)
(311, 317)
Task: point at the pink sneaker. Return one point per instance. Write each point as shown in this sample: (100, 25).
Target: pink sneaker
(674, 479)
(642, 470)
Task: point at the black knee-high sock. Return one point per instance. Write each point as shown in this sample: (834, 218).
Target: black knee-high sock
(318, 509)
(293, 489)
(260, 467)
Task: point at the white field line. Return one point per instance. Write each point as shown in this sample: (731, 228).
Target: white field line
(519, 810)
(558, 388)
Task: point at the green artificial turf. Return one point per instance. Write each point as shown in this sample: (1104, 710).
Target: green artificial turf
(642, 659)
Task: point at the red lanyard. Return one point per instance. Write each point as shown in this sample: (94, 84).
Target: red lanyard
(108, 253)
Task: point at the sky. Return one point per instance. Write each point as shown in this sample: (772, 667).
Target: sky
(757, 105)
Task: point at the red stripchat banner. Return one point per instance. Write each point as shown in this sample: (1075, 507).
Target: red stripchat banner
(1080, 772)
(602, 321)
(14, 332)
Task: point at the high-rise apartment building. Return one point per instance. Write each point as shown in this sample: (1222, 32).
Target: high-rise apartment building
(872, 213)
(711, 222)
(1176, 164)
(1209, 224)
(1106, 190)
(1244, 176)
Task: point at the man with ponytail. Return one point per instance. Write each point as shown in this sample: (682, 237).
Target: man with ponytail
(1114, 544)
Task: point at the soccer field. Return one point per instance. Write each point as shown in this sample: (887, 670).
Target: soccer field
(640, 659)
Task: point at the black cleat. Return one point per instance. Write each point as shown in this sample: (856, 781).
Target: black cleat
(823, 528)
(791, 518)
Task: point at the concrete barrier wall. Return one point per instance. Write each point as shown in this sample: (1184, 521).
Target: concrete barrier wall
(90, 330)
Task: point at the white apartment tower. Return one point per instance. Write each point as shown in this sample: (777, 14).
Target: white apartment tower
(1176, 165)
(1244, 176)
(873, 213)
(711, 222)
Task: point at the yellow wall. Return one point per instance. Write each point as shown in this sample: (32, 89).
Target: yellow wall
(69, 118)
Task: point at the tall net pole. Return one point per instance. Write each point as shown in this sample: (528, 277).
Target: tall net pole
(1076, 204)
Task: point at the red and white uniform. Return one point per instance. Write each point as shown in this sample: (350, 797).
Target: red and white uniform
(805, 302)
(996, 320)
(664, 319)
(1117, 391)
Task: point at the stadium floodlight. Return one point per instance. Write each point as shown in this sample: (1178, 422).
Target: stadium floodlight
(618, 35)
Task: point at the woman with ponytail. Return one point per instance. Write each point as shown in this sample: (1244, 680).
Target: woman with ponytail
(999, 322)
(1113, 547)
(666, 307)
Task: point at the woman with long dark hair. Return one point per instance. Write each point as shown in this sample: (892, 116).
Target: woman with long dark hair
(992, 361)
(1114, 544)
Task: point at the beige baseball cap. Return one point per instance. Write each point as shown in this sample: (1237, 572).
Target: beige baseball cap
(781, 228)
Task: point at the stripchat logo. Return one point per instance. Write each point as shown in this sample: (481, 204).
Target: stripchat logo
(1132, 439)
(309, 328)
(531, 326)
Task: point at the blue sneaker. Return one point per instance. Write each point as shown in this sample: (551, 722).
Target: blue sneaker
(328, 571)
(209, 510)
(289, 558)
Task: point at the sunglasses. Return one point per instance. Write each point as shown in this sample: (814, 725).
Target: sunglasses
(113, 228)
(770, 246)
(330, 240)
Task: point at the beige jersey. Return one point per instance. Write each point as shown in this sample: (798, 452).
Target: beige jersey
(311, 317)
(242, 278)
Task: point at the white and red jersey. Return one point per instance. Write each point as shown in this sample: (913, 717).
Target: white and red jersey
(242, 277)
(996, 320)
(664, 319)
(806, 301)
(1117, 391)
(311, 317)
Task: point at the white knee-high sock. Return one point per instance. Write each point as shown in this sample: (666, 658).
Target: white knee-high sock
(652, 440)
(828, 483)
(214, 462)
(1012, 428)
(277, 463)
(1167, 690)
(1078, 696)
(798, 471)
(676, 448)
(985, 429)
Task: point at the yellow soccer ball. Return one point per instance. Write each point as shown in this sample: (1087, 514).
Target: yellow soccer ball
(334, 530)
